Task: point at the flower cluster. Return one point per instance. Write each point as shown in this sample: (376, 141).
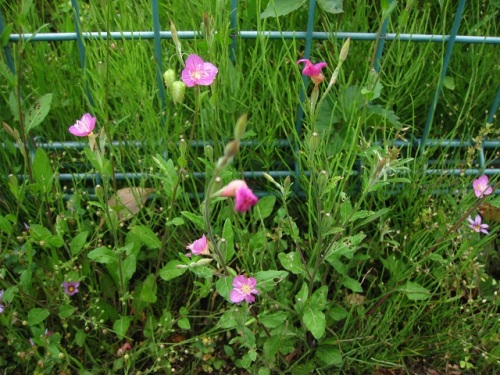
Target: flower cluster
(481, 188)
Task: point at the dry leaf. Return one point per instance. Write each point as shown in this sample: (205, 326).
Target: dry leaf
(128, 201)
(489, 212)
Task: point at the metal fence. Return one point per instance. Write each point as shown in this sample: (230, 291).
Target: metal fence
(419, 142)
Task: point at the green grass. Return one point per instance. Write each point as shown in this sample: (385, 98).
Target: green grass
(371, 266)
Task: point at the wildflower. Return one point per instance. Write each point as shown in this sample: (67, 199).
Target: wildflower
(481, 186)
(71, 287)
(313, 70)
(476, 225)
(198, 247)
(244, 196)
(2, 307)
(83, 127)
(198, 72)
(243, 289)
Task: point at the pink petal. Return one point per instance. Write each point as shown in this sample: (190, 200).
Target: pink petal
(236, 296)
(239, 281)
(230, 189)
(245, 199)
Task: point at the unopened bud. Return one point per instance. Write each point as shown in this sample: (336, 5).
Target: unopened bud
(203, 262)
(169, 78)
(345, 50)
(240, 127)
(177, 42)
(99, 191)
(231, 149)
(178, 91)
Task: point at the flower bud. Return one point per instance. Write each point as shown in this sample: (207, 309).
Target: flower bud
(178, 91)
(169, 78)
(177, 42)
(240, 127)
(345, 50)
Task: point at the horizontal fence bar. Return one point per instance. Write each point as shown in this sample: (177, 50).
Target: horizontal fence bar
(129, 35)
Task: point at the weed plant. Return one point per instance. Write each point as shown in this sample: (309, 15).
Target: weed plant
(215, 234)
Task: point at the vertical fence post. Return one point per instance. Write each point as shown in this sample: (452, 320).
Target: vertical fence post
(302, 95)
(446, 62)
(81, 47)
(158, 54)
(233, 24)
(6, 48)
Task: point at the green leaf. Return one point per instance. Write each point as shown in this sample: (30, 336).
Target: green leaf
(5, 225)
(169, 178)
(129, 267)
(449, 83)
(271, 347)
(195, 219)
(360, 215)
(224, 286)
(318, 298)
(9, 294)
(273, 320)
(65, 311)
(292, 263)
(183, 323)
(175, 221)
(78, 242)
(170, 271)
(146, 236)
(42, 170)
(277, 8)
(329, 355)
(38, 112)
(301, 298)
(415, 291)
(352, 284)
(331, 6)
(228, 235)
(265, 206)
(338, 313)
(227, 320)
(267, 280)
(80, 337)
(103, 255)
(121, 325)
(315, 321)
(37, 315)
(148, 290)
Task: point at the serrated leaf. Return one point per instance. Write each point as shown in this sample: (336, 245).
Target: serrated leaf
(38, 111)
(315, 321)
(331, 6)
(103, 255)
(121, 325)
(37, 315)
(170, 271)
(277, 8)
(415, 291)
(146, 236)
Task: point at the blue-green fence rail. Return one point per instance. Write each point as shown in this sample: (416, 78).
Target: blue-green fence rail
(309, 36)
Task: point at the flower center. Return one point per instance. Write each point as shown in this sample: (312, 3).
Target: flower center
(246, 289)
(71, 288)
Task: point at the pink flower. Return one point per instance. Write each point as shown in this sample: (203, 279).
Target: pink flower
(243, 289)
(481, 186)
(83, 127)
(476, 225)
(198, 72)
(244, 196)
(313, 70)
(71, 287)
(198, 247)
